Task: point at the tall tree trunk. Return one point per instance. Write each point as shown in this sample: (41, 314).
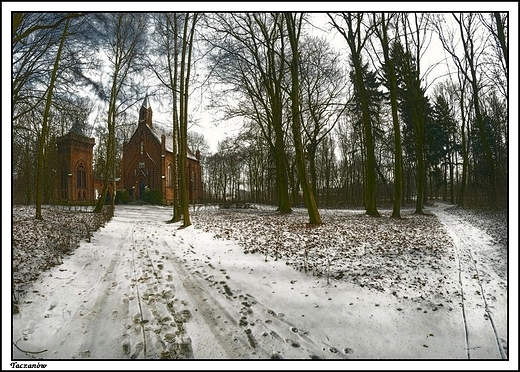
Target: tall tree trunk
(370, 165)
(187, 47)
(452, 181)
(354, 40)
(416, 103)
(398, 153)
(284, 204)
(177, 212)
(308, 194)
(502, 40)
(465, 160)
(182, 126)
(469, 53)
(45, 125)
(311, 152)
(483, 137)
(110, 145)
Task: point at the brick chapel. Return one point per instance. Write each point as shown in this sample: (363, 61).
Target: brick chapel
(147, 164)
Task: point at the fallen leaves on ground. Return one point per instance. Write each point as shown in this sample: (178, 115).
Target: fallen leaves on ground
(407, 257)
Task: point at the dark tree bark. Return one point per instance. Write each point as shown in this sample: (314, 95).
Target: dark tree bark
(45, 125)
(187, 47)
(356, 44)
(168, 47)
(398, 177)
(293, 29)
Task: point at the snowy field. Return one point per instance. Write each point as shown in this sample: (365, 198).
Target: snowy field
(243, 284)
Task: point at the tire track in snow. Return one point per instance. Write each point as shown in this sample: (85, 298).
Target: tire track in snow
(222, 325)
(257, 330)
(97, 320)
(479, 333)
(161, 314)
(134, 272)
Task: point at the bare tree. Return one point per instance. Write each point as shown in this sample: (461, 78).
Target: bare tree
(468, 65)
(294, 23)
(248, 56)
(322, 87)
(410, 71)
(35, 37)
(498, 28)
(356, 37)
(44, 131)
(124, 35)
(165, 65)
(381, 28)
(190, 21)
(40, 59)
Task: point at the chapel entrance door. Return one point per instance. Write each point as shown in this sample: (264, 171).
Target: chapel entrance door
(142, 186)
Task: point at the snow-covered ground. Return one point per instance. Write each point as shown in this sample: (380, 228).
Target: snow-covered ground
(244, 284)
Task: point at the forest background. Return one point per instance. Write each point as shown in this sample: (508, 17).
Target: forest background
(337, 146)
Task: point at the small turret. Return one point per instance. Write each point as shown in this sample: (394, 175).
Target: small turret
(77, 128)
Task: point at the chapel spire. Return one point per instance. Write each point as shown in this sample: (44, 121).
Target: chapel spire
(145, 113)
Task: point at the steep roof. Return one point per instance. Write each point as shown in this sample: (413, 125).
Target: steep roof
(168, 141)
(77, 128)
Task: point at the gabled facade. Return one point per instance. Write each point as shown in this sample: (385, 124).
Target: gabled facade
(147, 163)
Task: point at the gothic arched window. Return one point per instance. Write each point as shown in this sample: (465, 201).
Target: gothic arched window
(141, 146)
(169, 175)
(81, 176)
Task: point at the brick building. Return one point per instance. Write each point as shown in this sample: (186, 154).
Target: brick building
(75, 181)
(148, 163)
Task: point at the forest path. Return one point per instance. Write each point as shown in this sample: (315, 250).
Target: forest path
(482, 274)
(139, 290)
(143, 289)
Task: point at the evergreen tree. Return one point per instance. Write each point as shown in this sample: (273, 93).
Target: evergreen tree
(373, 97)
(413, 106)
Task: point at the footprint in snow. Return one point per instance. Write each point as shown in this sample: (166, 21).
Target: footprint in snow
(275, 335)
(292, 342)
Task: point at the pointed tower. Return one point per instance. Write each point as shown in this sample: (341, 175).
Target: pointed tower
(145, 113)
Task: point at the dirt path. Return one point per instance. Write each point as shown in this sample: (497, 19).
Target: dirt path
(482, 276)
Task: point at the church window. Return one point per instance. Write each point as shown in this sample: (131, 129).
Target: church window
(141, 146)
(169, 175)
(81, 176)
